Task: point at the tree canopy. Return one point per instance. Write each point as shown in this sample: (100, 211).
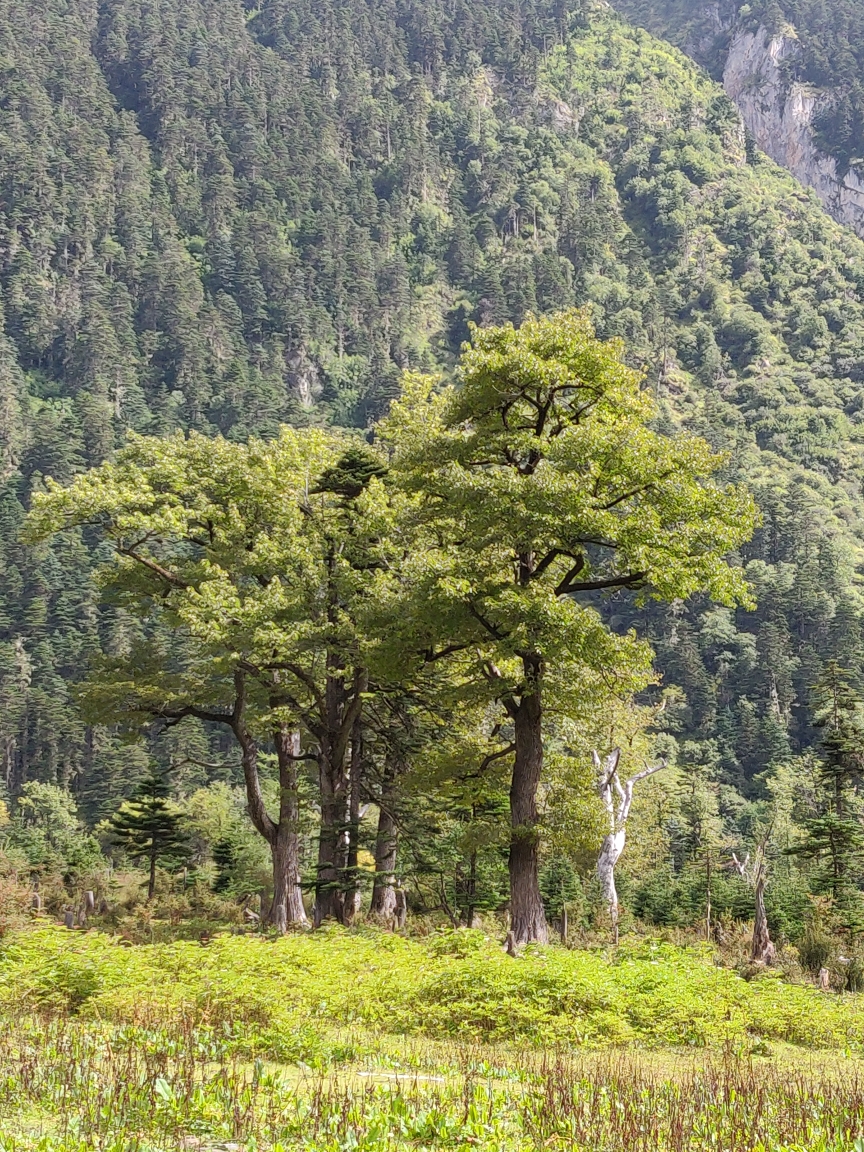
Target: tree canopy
(541, 485)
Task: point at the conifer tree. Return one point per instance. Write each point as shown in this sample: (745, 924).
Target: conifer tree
(148, 827)
(834, 836)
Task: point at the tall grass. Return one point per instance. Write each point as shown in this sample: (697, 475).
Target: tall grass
(75, 1086)
(373, 1043)
(734, 1105)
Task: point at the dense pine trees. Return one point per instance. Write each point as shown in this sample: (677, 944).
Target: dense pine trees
(222, 219)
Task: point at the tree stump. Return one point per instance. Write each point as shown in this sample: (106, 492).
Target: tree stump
(400, 912)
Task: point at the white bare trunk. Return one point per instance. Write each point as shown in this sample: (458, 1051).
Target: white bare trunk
(610, 853)
(617, 799)
(609, 856)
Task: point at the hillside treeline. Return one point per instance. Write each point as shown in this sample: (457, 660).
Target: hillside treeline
(223, 219)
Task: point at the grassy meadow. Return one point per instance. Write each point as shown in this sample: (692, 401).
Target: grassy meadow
(365, 1040)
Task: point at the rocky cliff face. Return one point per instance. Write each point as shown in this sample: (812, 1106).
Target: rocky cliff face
(779, 116)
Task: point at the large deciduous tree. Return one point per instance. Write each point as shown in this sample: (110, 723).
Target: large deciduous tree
(252, 560)
(541, 485)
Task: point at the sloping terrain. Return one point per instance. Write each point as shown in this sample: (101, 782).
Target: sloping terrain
(793, 70)
(221, 218)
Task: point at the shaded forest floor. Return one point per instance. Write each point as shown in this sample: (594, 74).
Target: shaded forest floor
(370, 1041)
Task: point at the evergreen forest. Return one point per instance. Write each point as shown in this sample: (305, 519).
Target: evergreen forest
(239, 241)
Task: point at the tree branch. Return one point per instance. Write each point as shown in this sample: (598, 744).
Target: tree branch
(167, 576)
(175, 715)
(254, 798)
(631, 580)
(351, 713)
(634, 492)
(492, 675)
(306, 679)
(628, 788)
(493, 756)
(552, 556)
(493, 631)
(646, 772)
(430, 656)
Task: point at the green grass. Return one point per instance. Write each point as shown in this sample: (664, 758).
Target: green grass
(370, 1041)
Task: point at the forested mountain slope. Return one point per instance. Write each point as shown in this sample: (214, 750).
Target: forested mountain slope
(828, 51)
(221, 218)
(794, 70)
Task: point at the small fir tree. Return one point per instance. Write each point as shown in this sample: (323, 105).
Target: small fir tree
(148, 827)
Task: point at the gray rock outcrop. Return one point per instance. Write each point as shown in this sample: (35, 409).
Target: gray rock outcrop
(780, 116)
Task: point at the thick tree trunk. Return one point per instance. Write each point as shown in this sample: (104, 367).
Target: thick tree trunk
(287, 909)
(342, 708)
(151, 883)
(383, 905)
(329, 891)
(280, 847)
(351, 882)
(282, 835)
(763, 950)
(527, 917)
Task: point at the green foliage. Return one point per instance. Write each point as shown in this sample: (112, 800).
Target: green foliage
(267, 218)
(460, 984)
(815, 947)
(559, 886)
(191, 1042)
(832, 828)
(542, 466)
(47, 832)
(148, 827)
(219, 831)
(538, 484)
(502, 158)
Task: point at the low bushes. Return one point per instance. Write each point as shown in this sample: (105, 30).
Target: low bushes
(283, 997)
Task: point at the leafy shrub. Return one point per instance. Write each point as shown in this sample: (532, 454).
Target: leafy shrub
(15, 897)
(457, 984)
(815, 948)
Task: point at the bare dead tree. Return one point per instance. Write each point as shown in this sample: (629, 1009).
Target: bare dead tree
(617, 799)
(755, 873)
